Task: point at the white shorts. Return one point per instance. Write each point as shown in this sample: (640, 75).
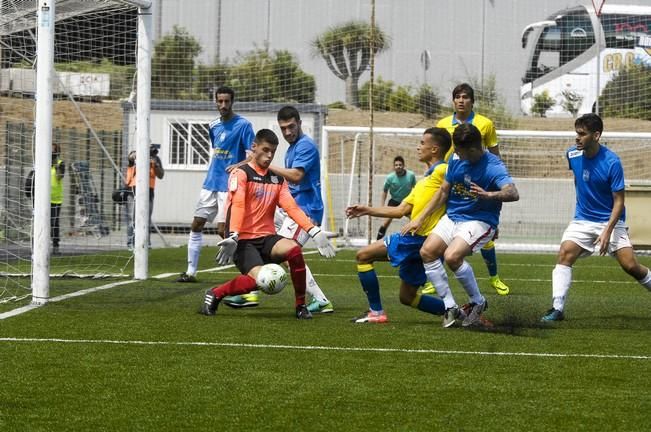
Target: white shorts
(286, 227)
(211, 204)
(475, 233)
(584, 234)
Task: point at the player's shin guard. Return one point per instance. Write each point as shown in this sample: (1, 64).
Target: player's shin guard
(297, 271)
(439, 278)
(466, 278)
(490, 258)
(370, 285)
(194, 250)
(312, 287)
(646, 281)
(561, 282)
(241, 284)
(429, 304)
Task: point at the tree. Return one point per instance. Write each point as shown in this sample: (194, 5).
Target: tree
(263, 76)
(542, 102)
(628, 94)
(173, 64)
(571, 101)
(347, 51)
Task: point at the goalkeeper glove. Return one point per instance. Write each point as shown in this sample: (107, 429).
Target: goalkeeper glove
(228, 246)
(322, 242)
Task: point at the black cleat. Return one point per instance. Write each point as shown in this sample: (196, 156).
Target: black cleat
(210, 303)
(302, 313)
(185, 278)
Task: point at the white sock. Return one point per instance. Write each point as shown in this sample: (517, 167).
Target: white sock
(312, 287)
(194, 249)
(439, 278)
(466, 277)
(646, 281)
(561, 282)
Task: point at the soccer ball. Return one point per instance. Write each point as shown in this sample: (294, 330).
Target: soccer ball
(271, 279)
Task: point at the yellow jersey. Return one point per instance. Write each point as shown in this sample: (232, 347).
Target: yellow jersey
(422, 194)
(484, 124)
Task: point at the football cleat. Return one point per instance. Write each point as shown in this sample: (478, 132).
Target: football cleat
(302, 313)
(371, 317)
(248, 300)
(474, 311)
(210, 303)
(499, 286)
(553, 315)
(186, 278)
(451, 315)
(315, 306)
(428, 288)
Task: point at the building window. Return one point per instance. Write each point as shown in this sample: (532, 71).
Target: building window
(189, 145)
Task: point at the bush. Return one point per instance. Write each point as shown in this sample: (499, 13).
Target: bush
(489, 103)
(542, 102)
(428, 102)
(401, 100)
(628, 94)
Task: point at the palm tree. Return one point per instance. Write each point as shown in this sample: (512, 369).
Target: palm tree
(346, 50)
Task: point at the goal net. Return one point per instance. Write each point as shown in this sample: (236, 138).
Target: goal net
(535, 159)
(94, 58)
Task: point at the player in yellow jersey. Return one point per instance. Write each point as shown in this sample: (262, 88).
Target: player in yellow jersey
(463, 99)
(400, 250)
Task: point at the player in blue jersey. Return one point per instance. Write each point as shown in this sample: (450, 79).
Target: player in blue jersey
(400, 250)
(231, 136)
(599, 215)
(303, 171)
(476, 184)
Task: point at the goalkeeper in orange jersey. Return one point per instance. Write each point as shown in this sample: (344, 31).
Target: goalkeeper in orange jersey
(254, 192)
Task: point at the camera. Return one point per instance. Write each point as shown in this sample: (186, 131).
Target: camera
(153, 150)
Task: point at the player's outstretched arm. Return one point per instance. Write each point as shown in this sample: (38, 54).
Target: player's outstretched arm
(438, 200)
(508, 193)
(404, 209)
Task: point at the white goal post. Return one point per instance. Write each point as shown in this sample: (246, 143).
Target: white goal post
(535, 159)
(45, 76)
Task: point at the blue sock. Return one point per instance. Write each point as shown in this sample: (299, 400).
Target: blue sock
(429, 304)
(490, 259)
(370, 285)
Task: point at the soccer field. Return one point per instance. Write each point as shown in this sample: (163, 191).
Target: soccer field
(138, 357)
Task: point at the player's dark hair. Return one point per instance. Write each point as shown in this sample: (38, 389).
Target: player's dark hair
(442, 137)
(399, 159)
(464, 88)
(266, 135)
(225, 90)
(287, 113)
(466, 136)
(591, 122)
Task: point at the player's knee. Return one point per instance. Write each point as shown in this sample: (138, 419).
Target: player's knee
(406, 298)
(453, 260)
(363, 257)
(427, 255)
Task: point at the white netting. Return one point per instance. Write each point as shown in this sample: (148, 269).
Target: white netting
(536, 161)
(95, 49)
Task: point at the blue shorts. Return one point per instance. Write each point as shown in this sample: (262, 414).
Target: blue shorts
(404, 252)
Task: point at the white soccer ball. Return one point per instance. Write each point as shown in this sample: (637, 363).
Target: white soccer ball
(271, 279)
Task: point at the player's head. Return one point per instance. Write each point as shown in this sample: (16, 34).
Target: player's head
(591, 122)
(264, 147)
(224, 98)
(467, 142)
(399, 165)
(463, 98)
(589, 128)
(434, 144)
(289, 121)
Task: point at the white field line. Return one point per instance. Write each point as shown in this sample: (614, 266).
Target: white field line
(327, 348)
